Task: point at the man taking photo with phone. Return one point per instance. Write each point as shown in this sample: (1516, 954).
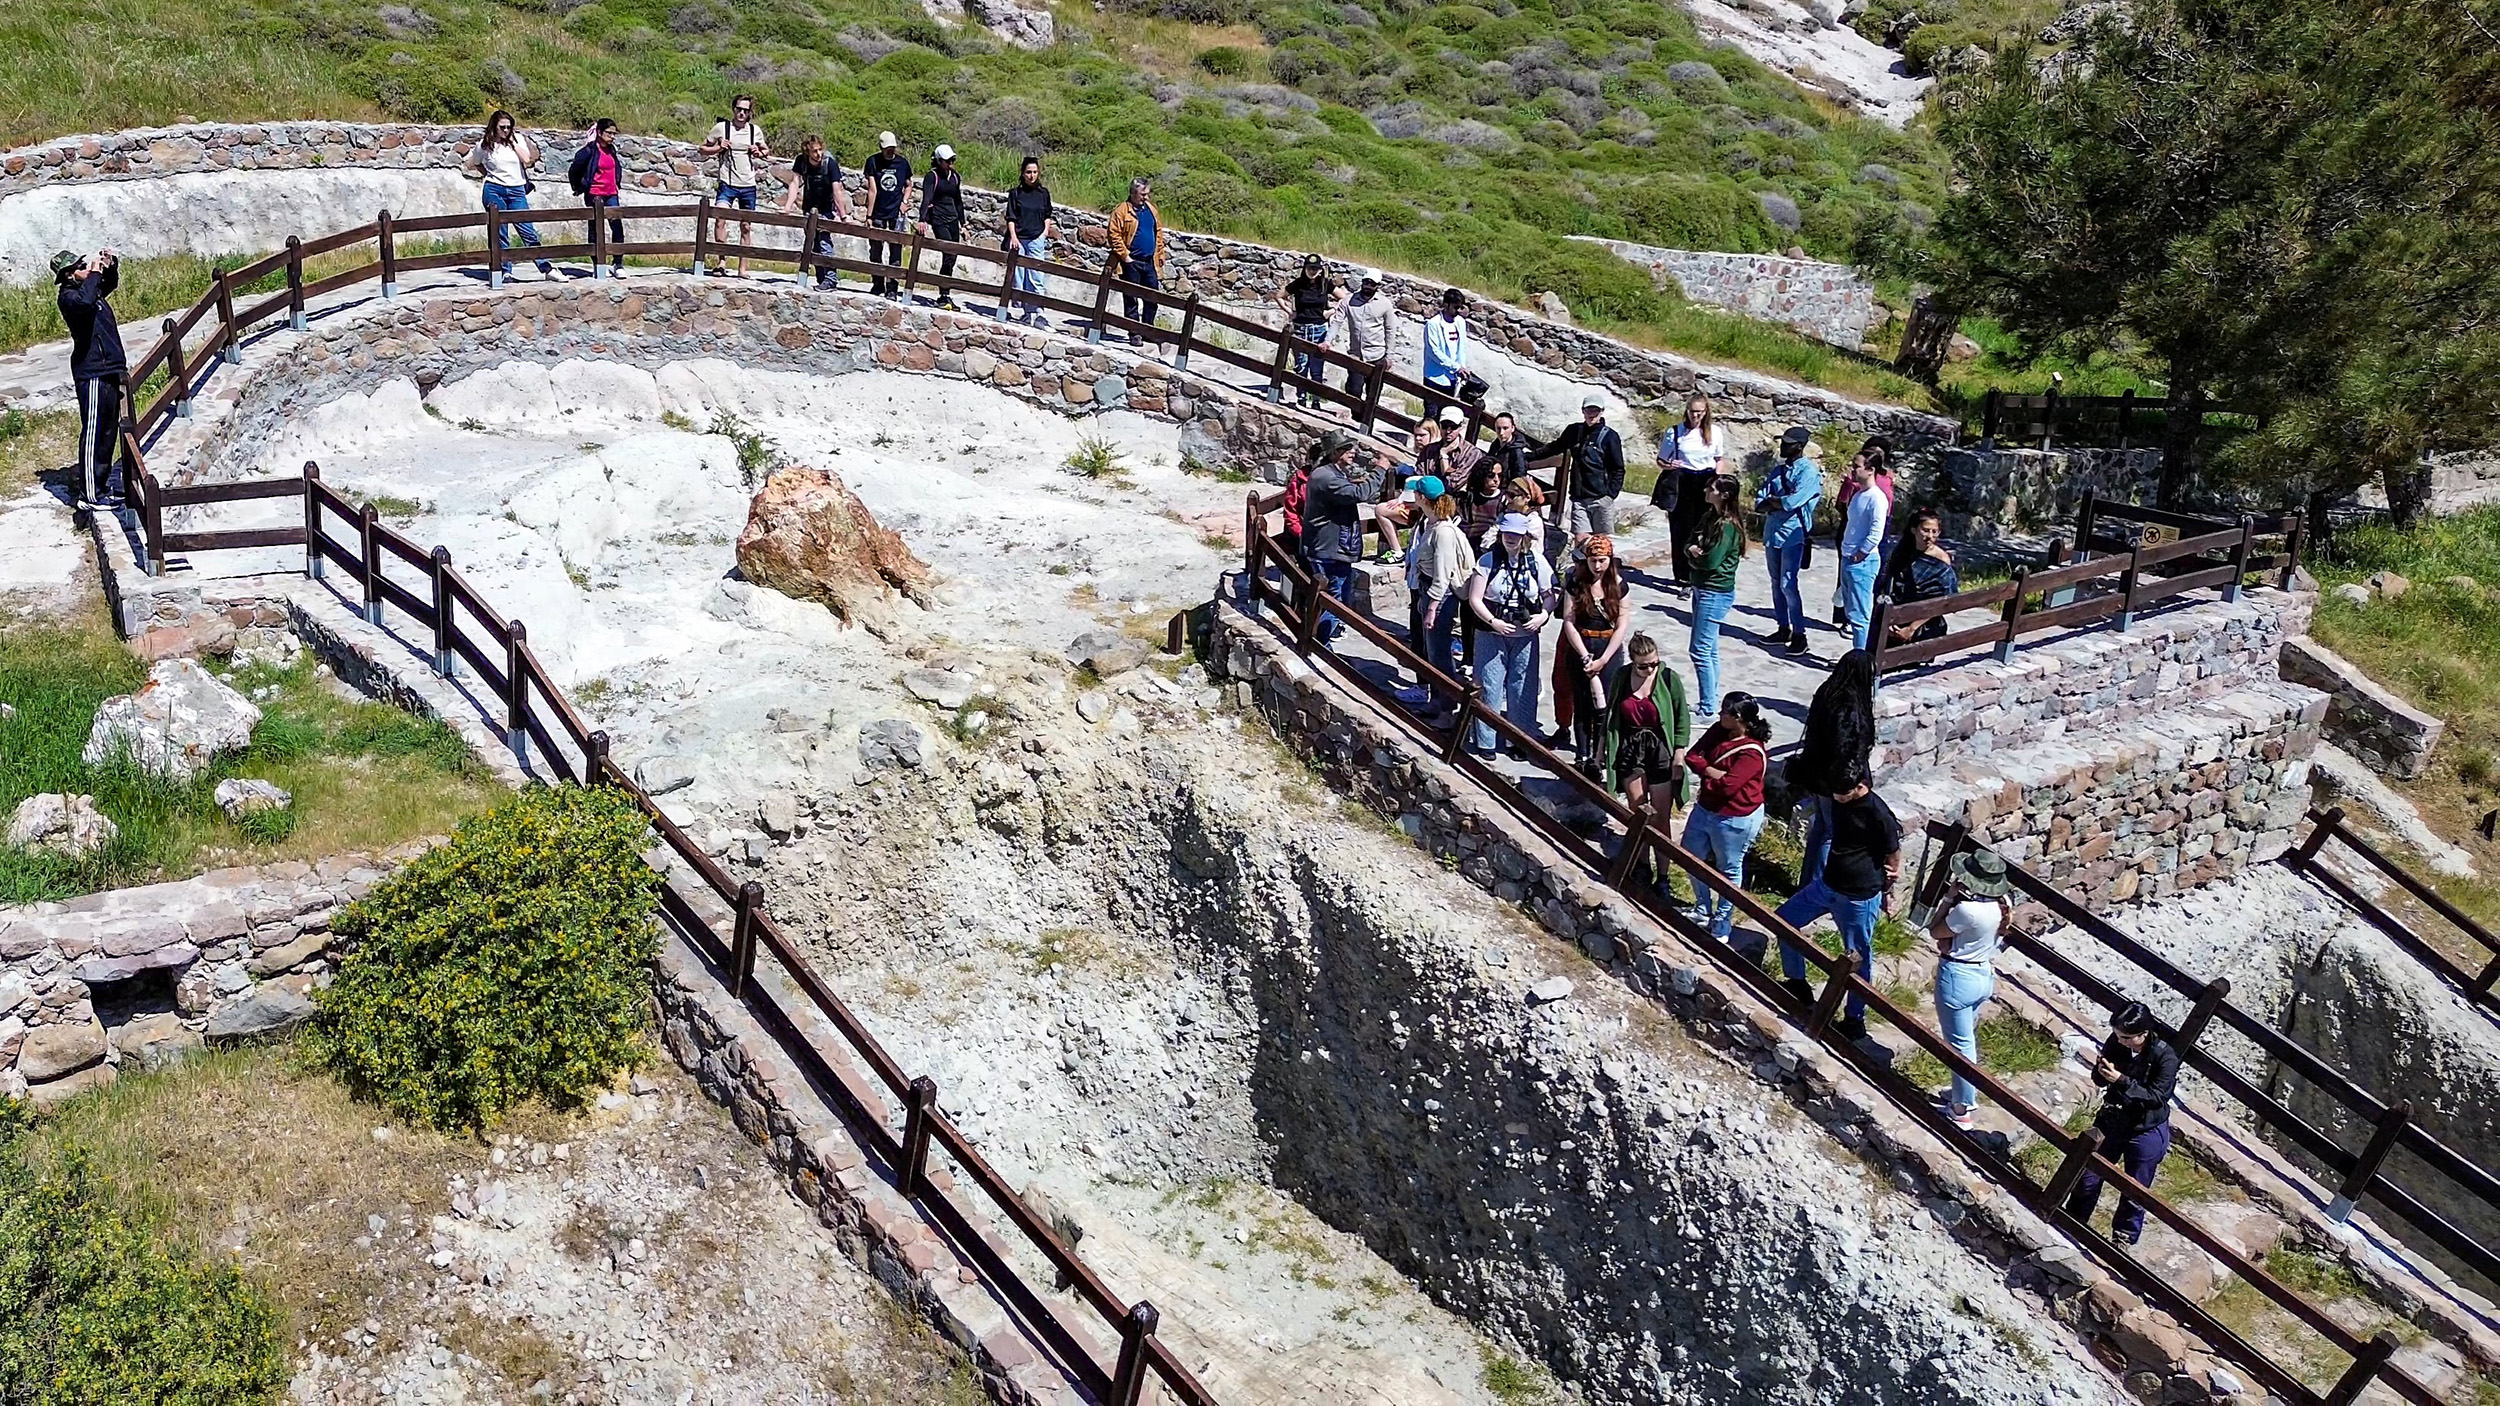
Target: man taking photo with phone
(96, 364)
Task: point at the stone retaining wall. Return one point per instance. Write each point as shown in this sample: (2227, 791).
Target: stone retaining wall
(1222, 270)
(1984, 494)
(1829, 301)
(230, 954)
(2389, 735)
(2094, 678)
(1451, 818)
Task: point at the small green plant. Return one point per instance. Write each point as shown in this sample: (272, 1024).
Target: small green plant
(1221, 473)
(677, 421)
(1511, 1383)
(1223, 60)
(101, 1309)
(395, 509)
(473, 424)
(578, 574)
(2009, 1044)
(267, 826)
(509, 964)
(14, 424)
(1096, 458)
(758, 456)
(1893, 937)
(2474, 766)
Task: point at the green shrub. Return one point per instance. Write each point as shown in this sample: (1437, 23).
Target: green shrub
(94, 1309)
(508, 964)
(1224, 61)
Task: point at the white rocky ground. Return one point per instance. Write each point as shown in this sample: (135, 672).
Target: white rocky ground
(213, 213)
(1810, 44)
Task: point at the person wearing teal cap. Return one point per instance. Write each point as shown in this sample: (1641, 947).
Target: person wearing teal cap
(1437, 568)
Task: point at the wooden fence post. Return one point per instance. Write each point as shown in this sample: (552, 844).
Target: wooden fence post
(2070, 1170)
(598, 240)
(595, 764)
(807, 246)
(370, 521)
(152, 521)
(229, 345)
(2048, 420)
(314, 567)
(1878, 634)
(2087, 514)
(1189, 327)
(2013, 617)
(2321, 830)
(911, 263)
(387, 247)
(494, 247)
(445, 661)
(177, 375)
(1306, 629)
(2391, 1125)
(1988, 418)
(915, 1168)
(2293, 541)
(742, 938)
(2240, 555)
(2126, 587)
(1827, 1002)
(1128, 1383)
(1276, 374)
(1102, 298)
(2201, 1014)
(295, 320)
(1620, 872)
(516, 713)
(1007, 281)
(2126, 419)
(2366, 1365)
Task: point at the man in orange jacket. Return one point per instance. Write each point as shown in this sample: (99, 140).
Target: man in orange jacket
(1136, 240)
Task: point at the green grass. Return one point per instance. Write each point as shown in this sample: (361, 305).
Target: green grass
(363, 776)
(2007, 1045)
(1376, 131)
(1513, 1384)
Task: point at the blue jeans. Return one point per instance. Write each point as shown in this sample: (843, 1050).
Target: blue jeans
(1961, 989)
(1506, 670)
(1857, 595)
(616, 228)
(1336, 578)
(1721, 841)
(1434, 641)
(1788, 604)
(1856, 919)
(1305, 364)
(1029, 280)
(1709, 609)
(2141, 1155)
(513, 198)
(1818, 841)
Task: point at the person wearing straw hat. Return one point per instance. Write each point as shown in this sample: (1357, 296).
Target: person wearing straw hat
(942, 213)
(1966, 929)
(1512, 597)
(888, 174)
(2138, 1071)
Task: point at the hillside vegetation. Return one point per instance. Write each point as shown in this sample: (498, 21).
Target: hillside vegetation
(1458, 141)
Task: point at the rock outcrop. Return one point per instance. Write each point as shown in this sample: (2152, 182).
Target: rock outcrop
(68, 826)
(179, 722)
(809, 537)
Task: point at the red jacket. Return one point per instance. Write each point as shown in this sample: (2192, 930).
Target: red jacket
(1740, 791)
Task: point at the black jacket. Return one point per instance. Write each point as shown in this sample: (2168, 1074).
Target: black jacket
(942, 200)
(2140, 1099)
(1594, 460)
(95, 338)
(577, 175)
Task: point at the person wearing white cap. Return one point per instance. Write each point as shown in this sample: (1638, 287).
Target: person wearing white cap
(1367, 316)
(889, 179)
(1135, 238)
(1590, 454)
(942, 213)
(1511, 597)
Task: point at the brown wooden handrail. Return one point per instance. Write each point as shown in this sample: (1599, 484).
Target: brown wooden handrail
(2480, 987)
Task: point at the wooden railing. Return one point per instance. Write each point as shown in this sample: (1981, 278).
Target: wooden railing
(464, 633)
(2103, 576)
(2478, 983)
(2113, 421)
(212, 329)
(1272, 580)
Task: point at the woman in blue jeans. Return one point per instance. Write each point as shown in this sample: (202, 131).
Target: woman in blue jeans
(1966, 930)
(1511, 597)
(1717, 545)
(503, 158)
(1728, 817)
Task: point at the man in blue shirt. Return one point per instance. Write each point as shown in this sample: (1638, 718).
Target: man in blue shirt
(1136, 239)
(1788, 500)
(1862, 549)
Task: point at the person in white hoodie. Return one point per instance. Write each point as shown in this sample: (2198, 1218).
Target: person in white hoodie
(1437, 567)
(1445, 353)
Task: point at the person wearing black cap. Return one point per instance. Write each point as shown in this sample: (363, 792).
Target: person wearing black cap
(1310, 300)
(942, 213)
(1789, 497)
(888, 174)
(96, 363)
(2138, 1072)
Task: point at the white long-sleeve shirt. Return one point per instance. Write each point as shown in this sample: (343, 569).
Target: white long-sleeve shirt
(1445, 350)
(1438, 565)
(1865, 530)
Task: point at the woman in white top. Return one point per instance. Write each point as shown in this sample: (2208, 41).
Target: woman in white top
(1966, 929)
(1688, 459)
(503, 158)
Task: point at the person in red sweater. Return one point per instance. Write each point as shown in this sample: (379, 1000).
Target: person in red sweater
(1727, 817)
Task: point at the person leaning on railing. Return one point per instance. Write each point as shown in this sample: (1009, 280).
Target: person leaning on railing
(1920, 569)
(942, 213)
(1861, 862)
(1310, 301)
(502, 160)
(1136, 248)
(816, 188)
(597, 175)
(1332, 522)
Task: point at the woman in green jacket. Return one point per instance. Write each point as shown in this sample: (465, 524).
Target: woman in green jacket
(1647, 730)
(1718, 545)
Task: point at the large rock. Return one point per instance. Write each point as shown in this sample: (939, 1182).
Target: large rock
(1107, 653)
(1025, 27)
(809, 537)
(51, 1051)
(242, 796)
(177, 724)
(891, 742)
(267, 1009)
(157, 1039)
(52, 823)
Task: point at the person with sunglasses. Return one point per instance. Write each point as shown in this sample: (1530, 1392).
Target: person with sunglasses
(740, 144)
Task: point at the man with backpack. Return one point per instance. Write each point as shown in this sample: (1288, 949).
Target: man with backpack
(740, 144)
(942, 213)
(598, 177)
(889, 180)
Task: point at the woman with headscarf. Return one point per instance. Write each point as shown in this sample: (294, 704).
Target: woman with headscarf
(1588, 661)
(1727, 817)
(1839, 736)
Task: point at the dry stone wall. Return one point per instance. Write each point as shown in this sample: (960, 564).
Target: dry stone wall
(1985, 494)
(1829, 301)
(2389, 735)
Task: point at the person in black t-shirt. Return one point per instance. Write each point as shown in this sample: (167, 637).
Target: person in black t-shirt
(2138, 1071)
(1310, 301)
(1854, 888)
(942, 213)
(888, 174)
(816, 187)
(1030, 228)
(96, 363)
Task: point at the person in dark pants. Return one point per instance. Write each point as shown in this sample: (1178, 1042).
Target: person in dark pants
(1136, 239)
(889, 179)
(2137, 1072)
(598, 177)
(96, 364)
(1854, 888)
(816, 187)
(942, 213)
(1689, 457)
(1332, 523)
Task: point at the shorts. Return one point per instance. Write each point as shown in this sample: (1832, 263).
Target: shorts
(741, 196)
(1592, 515)
(1644, 753)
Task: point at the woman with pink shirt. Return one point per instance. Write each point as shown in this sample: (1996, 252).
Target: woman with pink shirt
(598, 177)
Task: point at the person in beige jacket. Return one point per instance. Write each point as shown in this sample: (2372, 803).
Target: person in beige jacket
(1136, 240)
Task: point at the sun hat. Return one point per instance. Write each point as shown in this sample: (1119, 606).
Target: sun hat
(1981, 873)
(1333, 441)
(885, 139)
(66, 260)
(945, 152)
(1520, 523)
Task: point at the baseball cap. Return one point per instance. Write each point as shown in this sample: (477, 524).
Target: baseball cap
(1591, 400)
(66, 260)
(945, 152)
(1452, 415)
(1797, 435)
(1520, 523)
(1367, 275)
(1429, 485)
(885, 139)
